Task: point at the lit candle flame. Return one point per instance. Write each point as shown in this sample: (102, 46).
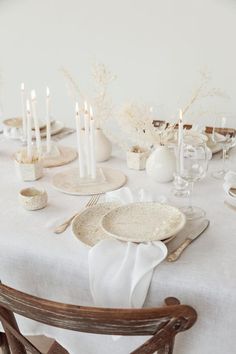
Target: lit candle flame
(180, 114)
(77, 108)
(28, 106)
(47, 92)
(85, 106)
(22, 86)
(91, 112)
(33, 95)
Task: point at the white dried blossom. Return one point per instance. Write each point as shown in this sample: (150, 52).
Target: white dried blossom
(202, 91)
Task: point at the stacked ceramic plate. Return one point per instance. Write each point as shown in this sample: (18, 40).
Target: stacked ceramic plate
(135, 222)
(12, 128)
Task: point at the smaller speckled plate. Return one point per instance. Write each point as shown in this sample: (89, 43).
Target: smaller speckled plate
(87, 225)
(143, 222)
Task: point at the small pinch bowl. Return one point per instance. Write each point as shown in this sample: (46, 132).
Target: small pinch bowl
(33, 198)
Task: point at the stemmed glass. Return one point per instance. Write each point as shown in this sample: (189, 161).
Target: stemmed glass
(160, 126)
(193, 168)
(225, 141)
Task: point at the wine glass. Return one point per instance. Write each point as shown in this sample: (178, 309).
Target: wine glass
(225, 140)
(193, 167)
(160, 127)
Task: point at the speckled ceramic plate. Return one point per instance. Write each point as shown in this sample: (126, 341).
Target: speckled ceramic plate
(87, 225)
(142, 222)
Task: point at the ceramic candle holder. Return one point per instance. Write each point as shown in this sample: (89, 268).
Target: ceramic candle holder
(33, 199)
(137, 157)
(29, 171)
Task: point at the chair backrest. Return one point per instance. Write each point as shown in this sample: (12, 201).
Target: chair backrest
(168, 320)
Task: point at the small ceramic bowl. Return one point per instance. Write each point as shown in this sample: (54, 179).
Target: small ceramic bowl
(32, 198)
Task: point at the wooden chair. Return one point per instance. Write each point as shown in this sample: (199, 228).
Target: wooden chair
(162, 323)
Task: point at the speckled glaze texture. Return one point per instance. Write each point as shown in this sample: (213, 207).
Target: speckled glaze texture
(140, 222)
(33, 199)
(87, 225)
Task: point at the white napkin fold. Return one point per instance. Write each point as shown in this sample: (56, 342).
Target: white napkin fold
(120, 272)
(124, 196)
(230, 182)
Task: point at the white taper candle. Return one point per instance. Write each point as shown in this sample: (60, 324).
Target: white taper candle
(23, 110)
(79, 141)
(180, 142)
(87, 144)
(92, 145)
(48, 120)
(36, 123)
(29, 132)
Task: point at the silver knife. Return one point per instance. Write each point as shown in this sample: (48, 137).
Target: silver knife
(191, 237)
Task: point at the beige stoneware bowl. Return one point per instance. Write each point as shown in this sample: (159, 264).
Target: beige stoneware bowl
(32, 198)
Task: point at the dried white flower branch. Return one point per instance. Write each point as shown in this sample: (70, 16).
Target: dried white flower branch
(136, 121)
(72, 87)
(202, 91)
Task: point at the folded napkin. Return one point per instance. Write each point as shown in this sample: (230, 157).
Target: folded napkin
(120, 273)
(230, 182)
(125, 195)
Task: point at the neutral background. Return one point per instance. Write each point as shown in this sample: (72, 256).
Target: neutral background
(156, 48)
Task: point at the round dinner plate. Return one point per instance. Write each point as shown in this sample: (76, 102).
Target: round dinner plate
(142, 222)
(87, 228)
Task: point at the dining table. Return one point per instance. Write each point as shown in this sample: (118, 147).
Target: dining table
(35, 260)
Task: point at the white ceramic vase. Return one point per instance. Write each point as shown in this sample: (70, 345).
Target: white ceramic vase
(103, 146)
(161, 164)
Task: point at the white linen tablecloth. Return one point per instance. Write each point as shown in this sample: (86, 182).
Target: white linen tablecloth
(35, 260)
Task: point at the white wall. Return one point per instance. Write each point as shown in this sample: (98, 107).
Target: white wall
(156, 48)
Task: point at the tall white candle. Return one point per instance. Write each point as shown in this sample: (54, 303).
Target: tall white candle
(36, 123)
(79, 141)
(48, 120)
(87, 143)
(23, 110)
(92, 145)
(180, 142)
(29, 132)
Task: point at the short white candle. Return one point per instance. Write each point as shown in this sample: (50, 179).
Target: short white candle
(29, 132)
(87, 143)
(23, 111)
(180, 142)
(48, 120)
(79, 141)
(92, 145)
(36, 123)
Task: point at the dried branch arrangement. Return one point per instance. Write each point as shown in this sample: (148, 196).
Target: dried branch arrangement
(203, 91)
(101, 100)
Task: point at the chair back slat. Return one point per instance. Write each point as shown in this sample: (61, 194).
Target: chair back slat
(145, 321)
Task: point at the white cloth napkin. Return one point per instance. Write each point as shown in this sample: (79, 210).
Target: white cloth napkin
(120, 272)
(230, 182)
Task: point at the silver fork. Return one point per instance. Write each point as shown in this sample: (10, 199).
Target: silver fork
(61, 228)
